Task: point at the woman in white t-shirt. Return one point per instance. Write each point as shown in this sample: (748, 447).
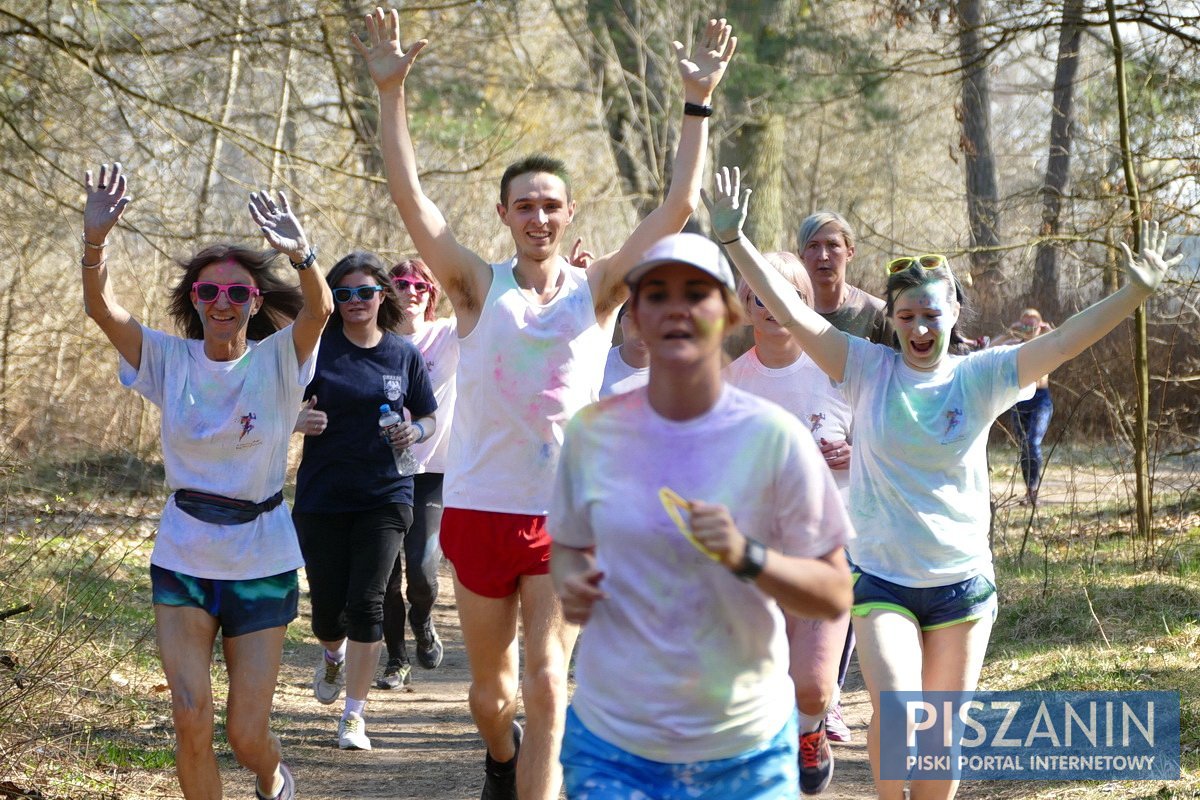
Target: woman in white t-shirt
(778, 369)
(924, 592)
(225, 557)
(686, 513)
(437, 339)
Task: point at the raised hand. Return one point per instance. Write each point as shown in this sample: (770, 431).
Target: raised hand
(105, 202)
(281, 227)
(579, 257)
(702, 71)
(386, 60)
(1149, 270)
(728, 212)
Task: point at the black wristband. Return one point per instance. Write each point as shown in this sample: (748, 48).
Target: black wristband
(696, 110)
(754, 559)
(300, 266)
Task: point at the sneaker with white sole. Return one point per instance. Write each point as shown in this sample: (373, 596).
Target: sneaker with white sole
(396, 675)
(836, 728)
(329, 680)
(352, 733)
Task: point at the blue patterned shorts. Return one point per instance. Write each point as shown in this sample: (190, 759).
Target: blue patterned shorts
(239, 607)
(593, 769)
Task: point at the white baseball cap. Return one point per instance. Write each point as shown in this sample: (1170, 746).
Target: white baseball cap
(685, 248)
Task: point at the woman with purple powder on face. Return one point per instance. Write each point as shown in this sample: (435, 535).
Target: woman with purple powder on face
(678, 556)
(924, 591)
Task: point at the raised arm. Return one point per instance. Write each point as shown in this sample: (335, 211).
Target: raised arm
(1045, 353)
(462, 273)
(106, 201)
(825, 344)
(701, 73)
(285, 233)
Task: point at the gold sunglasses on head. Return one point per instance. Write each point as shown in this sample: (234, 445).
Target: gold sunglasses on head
(930, 261)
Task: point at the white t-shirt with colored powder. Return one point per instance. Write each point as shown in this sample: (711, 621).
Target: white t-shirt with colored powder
(619, 376)
(804, 390)
(919, 491)
(438, 343)
(523, 371)
(225, 430)
(682, 661)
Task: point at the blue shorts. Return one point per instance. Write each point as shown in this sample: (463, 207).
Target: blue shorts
(931, 607)
(239, 607)
(593, 769)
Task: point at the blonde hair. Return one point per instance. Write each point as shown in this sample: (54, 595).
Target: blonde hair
(793, 271)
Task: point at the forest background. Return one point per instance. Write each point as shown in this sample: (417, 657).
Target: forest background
(1023, 139)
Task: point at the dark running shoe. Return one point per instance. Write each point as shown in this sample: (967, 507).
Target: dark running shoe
(396, 675)
(816, 762)
(288, 792)
(429, 647)
(500, 778)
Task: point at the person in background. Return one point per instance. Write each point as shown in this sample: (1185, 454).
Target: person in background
(826, 242)
(778, 369)
(353, 506)
(421, 556)
(628, 364)
(924, 583)
(1030, 416)
(225, 557)
(694, 600)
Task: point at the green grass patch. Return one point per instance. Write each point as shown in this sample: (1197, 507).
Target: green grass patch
(128, 755)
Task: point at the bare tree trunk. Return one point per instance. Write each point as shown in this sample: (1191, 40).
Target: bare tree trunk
(1058, 162)
(983, 201)
(215, 137)
(758, 148)
(282, 121)
(1141, 430)
(638, 94)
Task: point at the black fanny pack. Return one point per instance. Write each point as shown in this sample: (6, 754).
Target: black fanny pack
(218, 510)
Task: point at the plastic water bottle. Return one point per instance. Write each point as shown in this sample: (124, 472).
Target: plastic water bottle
(406, 462)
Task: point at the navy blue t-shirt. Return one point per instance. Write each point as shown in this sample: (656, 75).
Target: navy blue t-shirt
(349, 467)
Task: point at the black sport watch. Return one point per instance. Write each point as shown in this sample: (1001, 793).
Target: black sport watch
(300, 266)
(754, 558)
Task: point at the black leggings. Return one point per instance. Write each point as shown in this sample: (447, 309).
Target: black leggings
(346, 558)
(418, 562)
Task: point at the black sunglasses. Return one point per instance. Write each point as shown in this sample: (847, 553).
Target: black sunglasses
(344, 294)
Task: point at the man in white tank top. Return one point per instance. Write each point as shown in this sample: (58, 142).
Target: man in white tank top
(534, 333)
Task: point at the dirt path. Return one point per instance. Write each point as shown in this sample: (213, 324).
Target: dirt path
(425, 745)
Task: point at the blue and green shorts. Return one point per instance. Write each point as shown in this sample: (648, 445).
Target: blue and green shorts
(931, 607)
(239, 607)
(594, 769)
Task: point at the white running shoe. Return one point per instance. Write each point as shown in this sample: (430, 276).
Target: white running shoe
(352, 733)
(329, 680)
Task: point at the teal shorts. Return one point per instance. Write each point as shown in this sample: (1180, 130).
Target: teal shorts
(593, 769)
(240, 607)
(931, 607)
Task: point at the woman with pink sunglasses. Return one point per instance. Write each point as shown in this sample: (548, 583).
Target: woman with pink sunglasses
(437, 339)
(225, 558)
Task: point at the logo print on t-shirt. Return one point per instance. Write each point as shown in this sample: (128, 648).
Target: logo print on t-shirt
(953, 417)
(391, 387)
(814, 422)
(247, 421)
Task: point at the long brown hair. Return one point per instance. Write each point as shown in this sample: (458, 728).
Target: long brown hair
(391, 313)
(281, 298)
